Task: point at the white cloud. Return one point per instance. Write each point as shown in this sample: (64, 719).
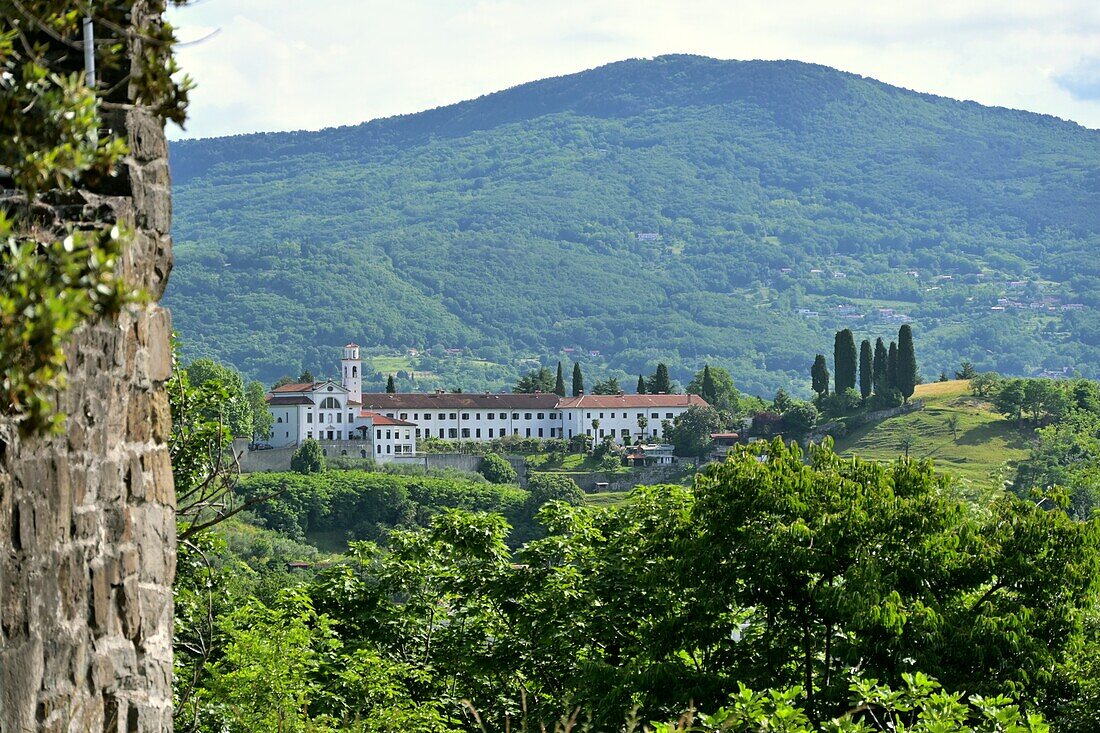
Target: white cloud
(283, 65)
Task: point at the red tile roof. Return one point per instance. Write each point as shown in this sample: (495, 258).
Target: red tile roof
(633, 400)
(307, 386)
(280, 401)
(458, 401)
(378, 419)
(296, 387)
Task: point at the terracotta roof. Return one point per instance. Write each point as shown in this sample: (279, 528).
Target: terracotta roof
(377, 419)
(307, 386)
(296, 387)
(460, 401)
(278, 401)
(633, 400)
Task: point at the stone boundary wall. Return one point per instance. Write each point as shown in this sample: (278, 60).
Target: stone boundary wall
(839, 430)
(87, 517)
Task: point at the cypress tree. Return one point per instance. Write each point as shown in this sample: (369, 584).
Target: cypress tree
(866, 369)
(709, 390)
(559, 383)
(880, 378)
(819, 375)
(844, 360)
(907, 362)
(641, 384)
(391, 388)
(661, 384)
(892, 366)
(578, 380)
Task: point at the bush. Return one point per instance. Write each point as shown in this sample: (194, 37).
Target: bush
(800, 419)
(308, 458)
(985, 384)
(544, 487)
(497, 469)
(611, 462)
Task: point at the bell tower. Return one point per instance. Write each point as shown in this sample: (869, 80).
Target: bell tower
(351, 370)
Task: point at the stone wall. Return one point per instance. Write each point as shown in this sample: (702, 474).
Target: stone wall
(87, 518)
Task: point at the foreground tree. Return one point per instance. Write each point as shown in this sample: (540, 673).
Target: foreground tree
(790, 543)
(391, 386)
(640, 389)
(236, 411)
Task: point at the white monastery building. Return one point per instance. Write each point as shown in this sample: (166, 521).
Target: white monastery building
(388, 425)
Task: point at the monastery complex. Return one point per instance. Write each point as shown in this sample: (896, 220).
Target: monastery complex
(384, 425)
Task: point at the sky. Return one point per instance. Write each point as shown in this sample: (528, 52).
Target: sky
(264, 65)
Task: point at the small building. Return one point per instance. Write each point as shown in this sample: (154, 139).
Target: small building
(721, 444)
(659, 454)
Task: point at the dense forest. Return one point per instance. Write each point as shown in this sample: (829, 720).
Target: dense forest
(780, 589)
(649, 210)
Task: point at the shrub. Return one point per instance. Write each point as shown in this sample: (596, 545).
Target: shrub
(308, 458)
(497, 469)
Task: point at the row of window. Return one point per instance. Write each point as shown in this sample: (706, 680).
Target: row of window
(652, 415)
(466, 416)
(320, 418)
(624, 433)
(455, 433)
(339, 434)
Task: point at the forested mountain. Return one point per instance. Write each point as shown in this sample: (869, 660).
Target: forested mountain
(787, 200)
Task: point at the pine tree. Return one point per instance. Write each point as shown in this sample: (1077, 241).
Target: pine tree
(660, 383)
(907, 362)
(879, 376)
(391, 388)
(819, 375)
(710, 390)
(559, 383)
(866, 369)
(578, 380)
(641, 384)
(844, 360)
(892, 366)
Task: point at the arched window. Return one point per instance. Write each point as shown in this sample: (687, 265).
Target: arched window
(354, 371)
(279, 419)
(330, 403)
(343, 452)
(363, 453)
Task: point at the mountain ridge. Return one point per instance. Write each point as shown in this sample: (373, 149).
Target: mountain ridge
(456, 216)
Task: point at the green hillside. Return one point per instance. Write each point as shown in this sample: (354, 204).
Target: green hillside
(786, 200)
(982, 455)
